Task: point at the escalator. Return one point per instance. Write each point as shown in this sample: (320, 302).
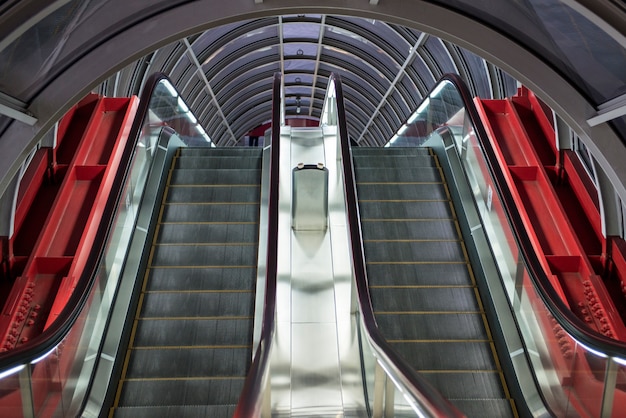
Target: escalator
(423, 292)
(191, 342)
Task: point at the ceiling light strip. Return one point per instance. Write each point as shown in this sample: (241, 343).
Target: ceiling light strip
(194, 58)
(409, 59)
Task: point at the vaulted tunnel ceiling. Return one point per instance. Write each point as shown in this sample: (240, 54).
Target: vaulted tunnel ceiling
(225, 74)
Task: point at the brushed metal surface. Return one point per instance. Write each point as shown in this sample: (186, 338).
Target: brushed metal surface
(315, 364)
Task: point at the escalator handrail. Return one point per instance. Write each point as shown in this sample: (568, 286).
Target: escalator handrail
(251, 399)
(571, 323)
(427, 396)
(45, 342)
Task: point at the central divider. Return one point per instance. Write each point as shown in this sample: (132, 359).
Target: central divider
(315, 363)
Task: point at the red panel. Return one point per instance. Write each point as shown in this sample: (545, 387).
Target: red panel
(545, 219)
(90, 152)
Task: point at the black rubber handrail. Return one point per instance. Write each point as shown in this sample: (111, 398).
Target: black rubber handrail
(430, 400)
(251, 399)
(571, 323)
(58, 330)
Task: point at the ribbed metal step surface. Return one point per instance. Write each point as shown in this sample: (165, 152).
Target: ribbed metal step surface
(423, 291)
(190, 346)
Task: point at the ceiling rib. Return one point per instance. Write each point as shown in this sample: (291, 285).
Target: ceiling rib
(194, 58)
(412, 52)
(320, 40)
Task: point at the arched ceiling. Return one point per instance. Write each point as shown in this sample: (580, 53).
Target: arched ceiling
(221, 56)
(225, 74)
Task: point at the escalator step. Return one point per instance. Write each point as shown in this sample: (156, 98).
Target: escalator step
(169, 392)
(395, 210)
(220, 151)
(197, 305)
(204, 194)
(485, 408)
(425, 274)
(444, 355)
(188, 363)
(435, 229)
(189, 332)
(433, 326)
(208, 233)
(472, 387)
(414, 251)
(424, 299)
(227, 162)
(201, 278)
(210, 212)
(385, 175)
(233, 255)
(382, 161)
(402, 191)
(390, 151)
(214, 176)
(178, 411)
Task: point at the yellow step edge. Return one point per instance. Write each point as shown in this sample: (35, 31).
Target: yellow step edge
(255, 185)
(181, 379)
(206, 244)
(192, 318)
(438, 341)
(198, 291)
(422, 286)
(428, 313)
(375, 183)
(189, 347)
(201, 267)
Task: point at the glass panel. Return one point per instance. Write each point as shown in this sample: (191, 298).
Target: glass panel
(300, 49)
(571, 377)
(301, 30)
(59, 381)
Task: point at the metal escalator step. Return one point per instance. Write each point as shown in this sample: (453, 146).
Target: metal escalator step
(447, 355)
(424, 299)
(221, 162)
(193, 332)
(204, 194)
(485, 408)
(188, 363)
(204, 255)
(413, 251)
(210, 212)
(386, 174)
(208, 233)
(197, 305)
(432, 326)
(402, 191)
(435, 229)
(181, 392)
(215, 176)
(358, 151)
(201, 278)
(400, 210)
(442, 274)
(178, 411)
(382, 161)
(220, 151)
(467, 386)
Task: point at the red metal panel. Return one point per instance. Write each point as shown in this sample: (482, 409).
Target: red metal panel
(545, 219)
(88, 158)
